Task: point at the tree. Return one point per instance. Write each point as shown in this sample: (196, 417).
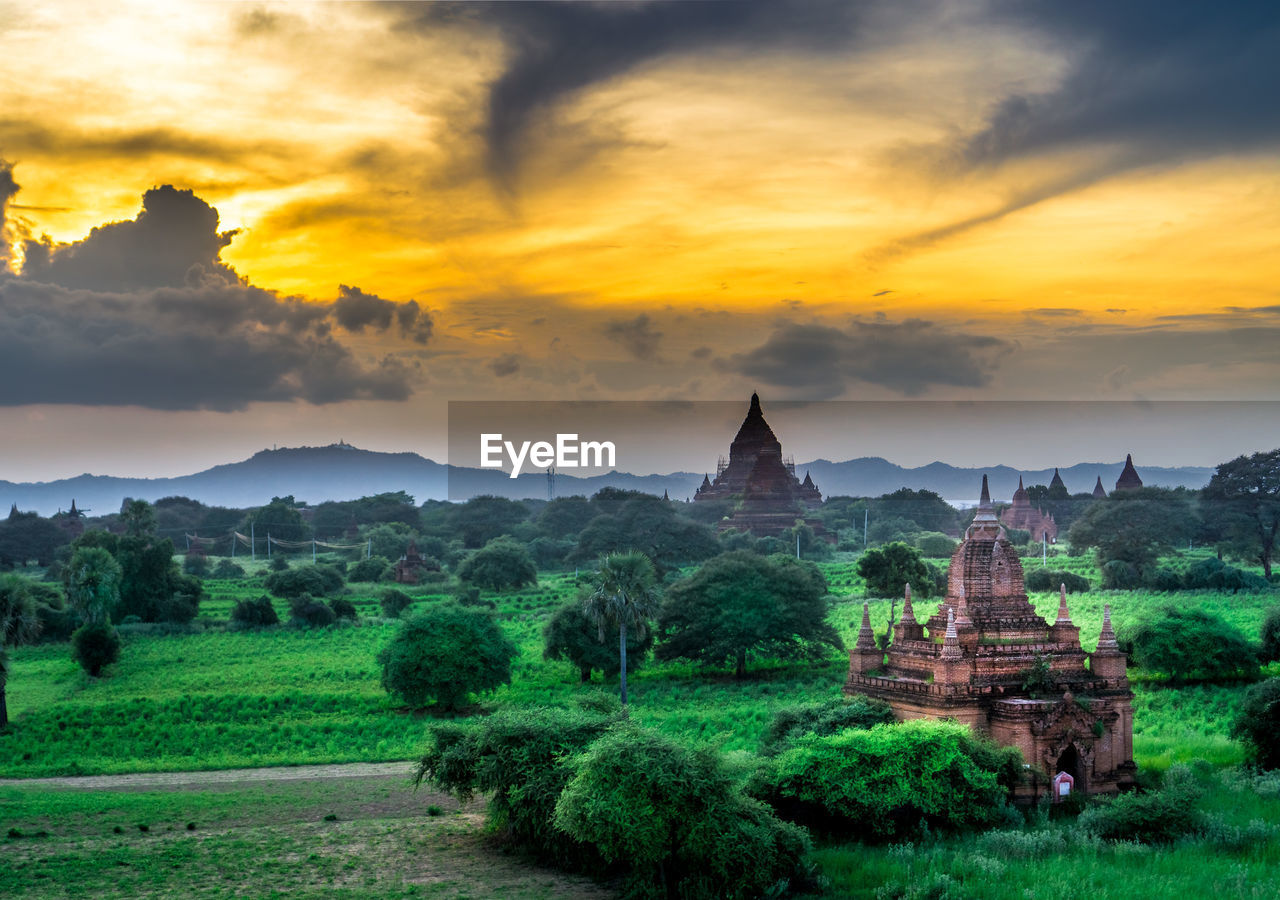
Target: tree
(925, 508)
(573, 636)
(95, 646)
(138, 518)
(1192, 643)
(1271, 636)
(1243, 496)
(501, 564)
(1258, 723)
(565, 516)
(446, 654)
(888, 568)
(19, 624)
(279, 519)
(649, 525)
(740, 603)
(93, 583)
(623, 594)
(1136, 527)
(481, 519)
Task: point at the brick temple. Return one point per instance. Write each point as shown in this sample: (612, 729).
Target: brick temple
(970, 662)
(773, 499)
(1021, 514)
(1128, 480)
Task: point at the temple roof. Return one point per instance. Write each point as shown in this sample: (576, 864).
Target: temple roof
(1020, 495)
(1128, 480)
(1057, 481)
(755, 431)
(1098, 490)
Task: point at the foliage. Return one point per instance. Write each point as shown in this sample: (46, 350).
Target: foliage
(138, 518)
(1135, 527)
(674, 818)
(279, 519)
(394, 602)
(884, 781)
(446, 654)
(501, 564)
(1211, 574)
(19, 624)
(93, 583)
(741, 604)
(1258, 723)
(314, 580)
(1150, 817)
(522, 758)
(1052, 579)
(279, 563)
(1038, 679)
(642, 522)
(791, 722)
(936, 545)
(308, 611)
(573, 636)
(370, 569)
(1243, 503)
(564, 517)
(151, 584)
(1270, 650)
(195, 564)
(343, 609)
(95, 645)
(255, 613)
(1119, 575)
(1191, 643)
(482, 519)
(549, 553)
(888, 569)
(926, 510)
(228, 569)
(622, 595)
(26, 536)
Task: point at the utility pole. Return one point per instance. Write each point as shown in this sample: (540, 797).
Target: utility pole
(866, 517)
(253, 544)
(1044, 553)
(797, 543)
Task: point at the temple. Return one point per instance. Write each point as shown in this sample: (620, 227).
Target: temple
(412, 566)
(1098, 490)
(773, 498)
(986, 658)
(1128, 480)
(1022, 515)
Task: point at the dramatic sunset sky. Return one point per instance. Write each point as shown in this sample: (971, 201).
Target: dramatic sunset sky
(425, 202)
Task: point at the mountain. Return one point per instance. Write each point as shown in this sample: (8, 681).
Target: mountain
(343, 472)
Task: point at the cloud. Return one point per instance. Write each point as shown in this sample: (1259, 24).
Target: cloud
(636, 336)
(505, 365)
(909, 357)
(8, 189)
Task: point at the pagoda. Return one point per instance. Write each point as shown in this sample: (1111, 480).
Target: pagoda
(1128, 480)
(1098, 490)
(981, 660)
(1022, 515)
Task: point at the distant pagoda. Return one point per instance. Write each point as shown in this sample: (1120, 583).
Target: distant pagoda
(973, 659)
(1026, 517)
(1098, 490)
(773, 498)
(1128, 480)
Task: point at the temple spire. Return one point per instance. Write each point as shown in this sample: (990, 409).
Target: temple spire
(951, 643)
(755, 404)
(985, 498)
(866, 637)
(1107, 639)
(908, 614)
(962, 609)
(1064, 616)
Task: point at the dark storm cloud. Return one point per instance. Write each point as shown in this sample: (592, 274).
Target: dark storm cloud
(8, 188)
(636, 336)
(909, 357)
(505, 365)
(144, 312)
(557, 49)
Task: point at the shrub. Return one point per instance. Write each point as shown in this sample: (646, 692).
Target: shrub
(1191, 643)
(254, 613)
(444, 655)
(1213, 574)
(1164, 579)
(57, 623)
(196, 564)
(1258, 723)
(1270, 651)
(889, 568)
(789, 723)
(936, 544)
(228, 569)
(885, 781)
(572, 636)
(523, 759)
(279, 563)
(94, 646)
(674, 817)
(307, 580)
(370, 569)
(1118, 575)
(306, 610)
(1152, 817)
(343, 608)
(1051, 579)
(394, 602)
(500, 565)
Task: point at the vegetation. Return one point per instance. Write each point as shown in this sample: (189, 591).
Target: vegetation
(1134, 528)
(1258, 723)
(1051, 579)
(19, 624)
(95, 646)
(1191, 643)
(792, 722)
(1243, 500)
(889, 569)
(500, 565)
(255, 613)
(444, 655)
(305, 581)
(573, 636)
(623, 596)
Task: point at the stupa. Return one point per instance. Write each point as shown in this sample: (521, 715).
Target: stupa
(1021, 514)
(1128, 480)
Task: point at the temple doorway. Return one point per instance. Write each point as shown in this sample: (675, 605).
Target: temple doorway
(1070, 763)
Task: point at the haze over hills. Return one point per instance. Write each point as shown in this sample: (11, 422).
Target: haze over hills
(343, 472)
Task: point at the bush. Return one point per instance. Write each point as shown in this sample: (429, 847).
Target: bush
(1153, 817)
(254, 613)
(500, 565)
(1191, 643)
(523, 759)
(279, 563)
(1164, 579)
(228, 569)
(370, 569)
(307, 610)
(1258, 723)
(885, 781)
(789, 723)
(936, 545)
(196, 564)
(1213, 574)
(1118, 575)
(894, 565)
(343, 608)
(1270, 651)
(1051, 579)
(674, 817)
(94, 646)
(394, 602)
(57, 623)
(315, 581)
(572, 636)
(444, 655)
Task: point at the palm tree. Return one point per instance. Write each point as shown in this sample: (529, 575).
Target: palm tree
(18, 625)
(623, 593)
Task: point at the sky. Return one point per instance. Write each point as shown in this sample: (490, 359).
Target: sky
(227, 226)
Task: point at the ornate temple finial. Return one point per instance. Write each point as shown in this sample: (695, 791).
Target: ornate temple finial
(866, 637)
(755, 403)
(962, 609)
(985, 498)
(951, 643)
(1064, 617)
(908, 614)
(1020, 487)
(1107, 639)
(665, 495)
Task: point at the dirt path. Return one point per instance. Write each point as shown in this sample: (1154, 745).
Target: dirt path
(218, 777)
